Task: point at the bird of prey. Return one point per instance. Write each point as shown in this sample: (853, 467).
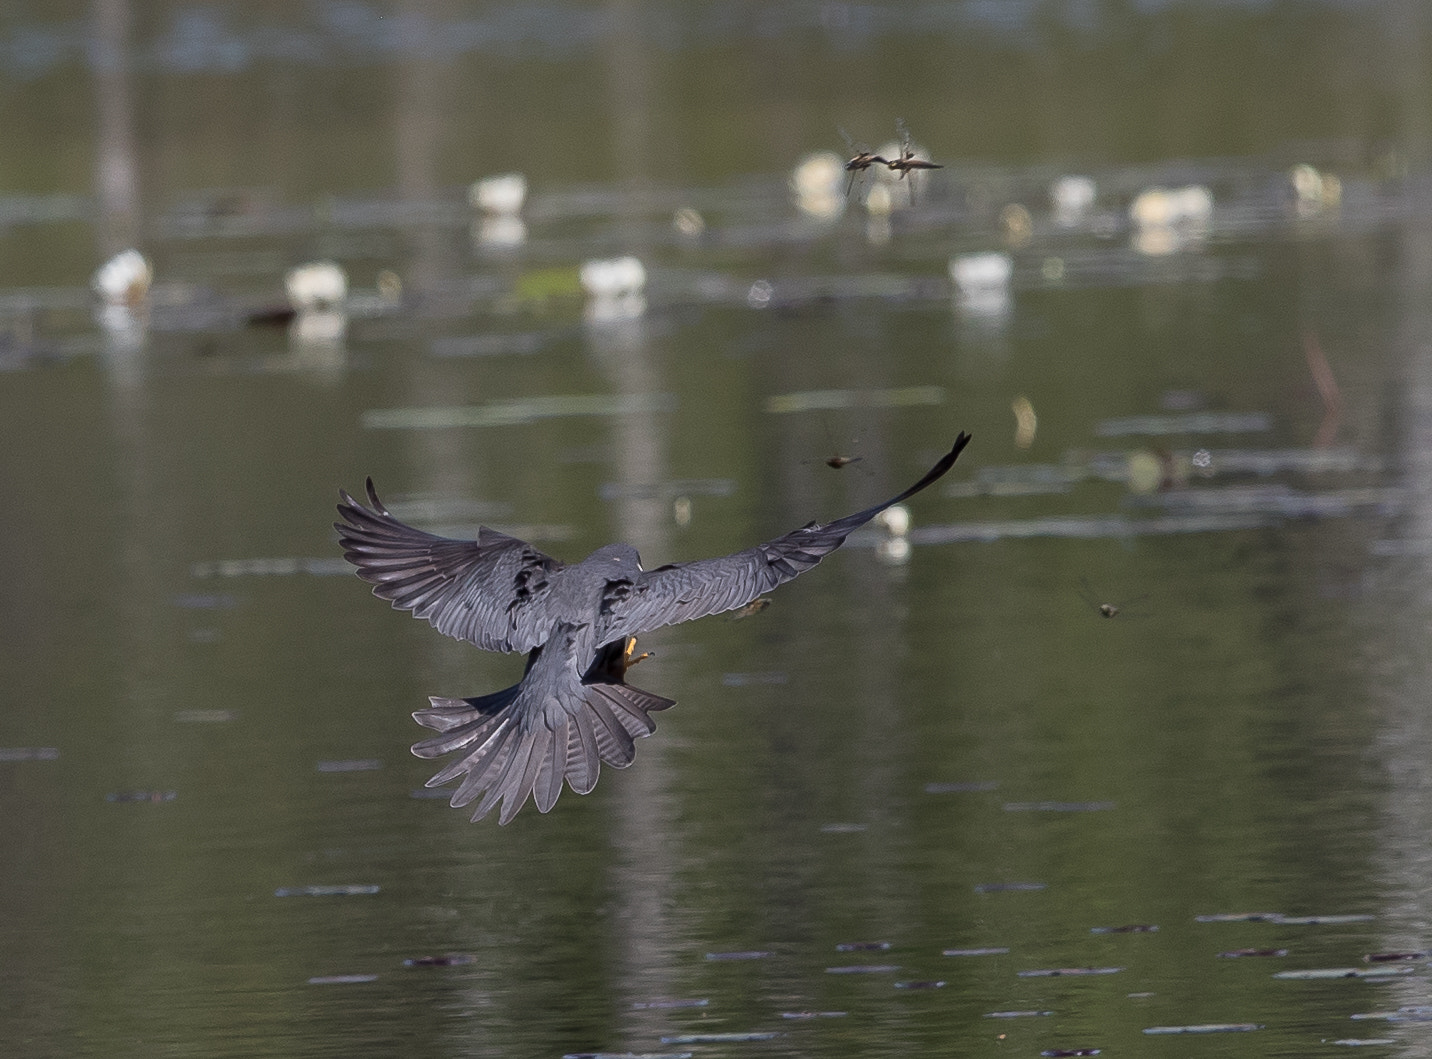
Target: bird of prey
(573, 709)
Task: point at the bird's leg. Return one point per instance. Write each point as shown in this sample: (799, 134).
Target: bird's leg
(627, 660)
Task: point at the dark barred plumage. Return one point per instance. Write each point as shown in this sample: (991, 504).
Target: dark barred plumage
(572, 710)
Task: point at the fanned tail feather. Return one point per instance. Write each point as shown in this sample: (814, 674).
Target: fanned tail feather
(507, 751)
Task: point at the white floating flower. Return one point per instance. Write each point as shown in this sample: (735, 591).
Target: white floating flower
(972, 273)
(498, 194)
(613, 278)
(895, 520)
(319, 285)
(1166, 207)
(124, 279)
(1073, 197)
(1314, 191)
(818, 183)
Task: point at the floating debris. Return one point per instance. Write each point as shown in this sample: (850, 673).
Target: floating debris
(289, 565)
(1360, 1042)
(342, 979)
(340, 890)
(748, 954)
(213, 716)
(1091, 527)
(1069, 1051)
(742, 680)
(668, 1004)
(1321, 973)
(920, 985)
(1007, 887)
(517, 411)
(1211, 1027)
(451, 959)
(971, 787)
(842, 828)
(1035, 479)
(1016, 1014)
(1342, 459)
(864, 968)
(862, 946)
(205, 601)
(1234, 954)
(1025, 422)
(1406, 1013)
(1057, 807)
(29, 753)
(669, 490)
(273, 316)
(817, 400)
(141, 796)
(370, 764)
(988, 950)
(1068, 972)
(1278, 917)
(687, 222)
(813, 1014)
(628, 1055)
(1129, 928)
(1280, 500)
(1185, 423)
(718, 1038)
(1392, 957)
(491, 345)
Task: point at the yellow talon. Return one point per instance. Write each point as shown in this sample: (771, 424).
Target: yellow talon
(627, 660)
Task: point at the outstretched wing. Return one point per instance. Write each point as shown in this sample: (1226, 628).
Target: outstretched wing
(684, 591)
(490, 592)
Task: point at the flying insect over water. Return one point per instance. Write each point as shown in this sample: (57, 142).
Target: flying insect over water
(1106, 610)
(572, 710)
(907, 162)
(861, 160)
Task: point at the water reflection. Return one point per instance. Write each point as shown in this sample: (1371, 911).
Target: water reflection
(1230, 415)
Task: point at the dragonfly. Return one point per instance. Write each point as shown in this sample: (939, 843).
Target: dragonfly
(836, 460)
(860, 160)
(907, 162)
(1106, 610)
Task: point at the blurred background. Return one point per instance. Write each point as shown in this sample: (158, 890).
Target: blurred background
(1125, 731)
